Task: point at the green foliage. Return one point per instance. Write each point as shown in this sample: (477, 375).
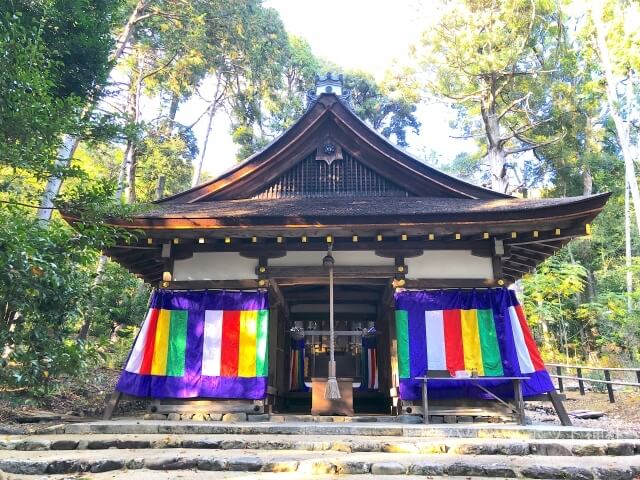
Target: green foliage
(389, 106)
(32, 116)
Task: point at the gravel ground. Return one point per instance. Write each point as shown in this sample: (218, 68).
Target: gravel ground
(621, 416)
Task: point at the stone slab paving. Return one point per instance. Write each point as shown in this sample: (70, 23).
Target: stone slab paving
(387, 444)
(145, 474)
(135, 426)
(311, 463)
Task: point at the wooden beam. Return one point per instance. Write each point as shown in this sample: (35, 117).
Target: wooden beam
(339, 271)
(216, 284)
(432, 283)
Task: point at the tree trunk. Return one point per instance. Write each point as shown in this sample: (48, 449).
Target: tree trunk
(69, 142)
(587, 181)
(622, 130)
(51, 190)
(627, 245)
(86, 324)
(198, 166)
(498, 165)
(495, 148)
(173, 109)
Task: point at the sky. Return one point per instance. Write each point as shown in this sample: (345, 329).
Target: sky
(356, 34)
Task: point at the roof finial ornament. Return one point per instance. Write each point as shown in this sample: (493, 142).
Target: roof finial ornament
(329, 84)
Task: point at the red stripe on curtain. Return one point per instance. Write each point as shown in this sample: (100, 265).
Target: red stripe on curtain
(536, 359)
(230, 344)
(147, 359)
(453, 340)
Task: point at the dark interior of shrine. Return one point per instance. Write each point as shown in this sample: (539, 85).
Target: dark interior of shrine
(357, 311)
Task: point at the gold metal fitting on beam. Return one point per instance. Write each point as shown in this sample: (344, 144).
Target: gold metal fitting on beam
(354, 238)
(404, 237)
(279, 239)
(149, 241)
(432, 236)
(514, 234)
(485, 235)
(176, 241)
(254, 239)
(536, 234)
(303, 239)
(201, 240)
(166, 276)
(227, 239)
(557, 231)
(379, 237)
(329, 238)
(457, 236)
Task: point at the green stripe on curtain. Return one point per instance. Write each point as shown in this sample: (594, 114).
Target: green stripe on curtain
(491, 358)
(262, 336)
(177, 343)
(402, 334)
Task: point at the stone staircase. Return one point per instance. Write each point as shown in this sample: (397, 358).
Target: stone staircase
(162, 449)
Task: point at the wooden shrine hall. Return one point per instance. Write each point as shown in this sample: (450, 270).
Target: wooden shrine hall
(392, 224)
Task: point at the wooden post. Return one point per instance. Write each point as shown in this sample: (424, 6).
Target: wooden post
(638, 376)
(607, 377)
(580, 381)
(425, 401)
(519, 401)
(111, 405)
(560, 410)
(559, 373)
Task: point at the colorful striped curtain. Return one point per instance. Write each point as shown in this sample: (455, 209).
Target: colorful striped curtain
(296, 366)
(369, 363)
(482, 331)
(200, 344)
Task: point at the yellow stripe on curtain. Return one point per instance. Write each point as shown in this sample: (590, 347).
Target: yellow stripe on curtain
(161, 346)
(471, 341)
(247, 350)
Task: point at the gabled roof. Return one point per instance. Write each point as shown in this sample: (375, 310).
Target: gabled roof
(330, 116)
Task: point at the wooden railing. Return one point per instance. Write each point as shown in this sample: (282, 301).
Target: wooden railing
(581, 379)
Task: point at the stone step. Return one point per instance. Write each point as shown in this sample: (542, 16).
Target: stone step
(386, 444)
(136, 426)
(308, 463)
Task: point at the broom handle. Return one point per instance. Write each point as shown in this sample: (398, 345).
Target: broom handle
(331, 356)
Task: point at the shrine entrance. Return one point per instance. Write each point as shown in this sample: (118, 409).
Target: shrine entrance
(361, 345)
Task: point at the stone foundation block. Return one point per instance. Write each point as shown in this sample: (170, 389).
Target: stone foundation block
(246, 464)
(388, 468)
(154, 416)
(425, 468)
(280, 466)
(234, 417)
(106, 466)
(352, 468)
(620, 449)
(551, 449)
(64, 444)
(23, 467)
(211, 464)
(170, 463)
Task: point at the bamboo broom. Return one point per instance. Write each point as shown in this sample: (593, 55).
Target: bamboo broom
(332, 391)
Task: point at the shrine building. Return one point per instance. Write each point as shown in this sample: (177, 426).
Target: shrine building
(422, 262)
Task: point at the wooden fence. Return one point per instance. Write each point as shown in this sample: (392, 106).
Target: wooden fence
(559, 368)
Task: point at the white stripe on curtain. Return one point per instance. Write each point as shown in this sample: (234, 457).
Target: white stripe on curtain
(212, 348)
(524, 359)
(137, 353)
(434, 328)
